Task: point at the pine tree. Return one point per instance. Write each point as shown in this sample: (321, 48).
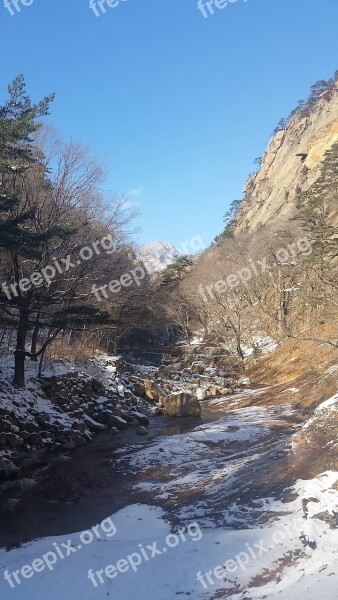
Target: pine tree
(18, 122)
(316, 206)
(317, 214)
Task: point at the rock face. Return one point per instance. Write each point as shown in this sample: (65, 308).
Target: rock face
(181, 405)
(290, 164)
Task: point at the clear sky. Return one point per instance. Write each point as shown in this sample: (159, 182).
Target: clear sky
(180, 105)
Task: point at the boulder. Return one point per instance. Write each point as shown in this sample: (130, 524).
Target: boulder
(164, 374)
(98, 387)
(181, 404)
(114, 430)
(152, 390)
(244, 380)
(141, 418)
(35, 439)
(13, 440)
(118, 422)
(142, 430)
(200, 394)
(108, 418)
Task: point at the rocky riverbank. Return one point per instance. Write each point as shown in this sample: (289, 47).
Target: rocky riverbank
(64, 410)
(73, 402)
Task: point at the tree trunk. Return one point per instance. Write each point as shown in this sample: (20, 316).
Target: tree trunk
(20, 352)
(42, 356)
(35, 337)
(239, 347)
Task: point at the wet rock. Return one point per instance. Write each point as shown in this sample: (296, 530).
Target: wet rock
(114, 430)
(181, 404)
(118, 422)
(87, 435)
(141, 418)
(107, 417)
(142, 430)
(92, 424)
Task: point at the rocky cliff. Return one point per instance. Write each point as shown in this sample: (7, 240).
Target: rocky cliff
(291, 162)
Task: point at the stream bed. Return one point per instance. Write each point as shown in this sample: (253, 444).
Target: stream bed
(182, 461)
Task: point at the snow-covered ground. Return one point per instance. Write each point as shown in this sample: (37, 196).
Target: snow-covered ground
(205, 527)
(31, 398)
(293, 556)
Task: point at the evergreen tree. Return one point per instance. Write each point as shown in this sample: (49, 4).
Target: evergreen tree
(230, 219)
(18, 122)
(317, 205)
(317, 214)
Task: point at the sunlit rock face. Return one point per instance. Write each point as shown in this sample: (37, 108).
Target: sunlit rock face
(156, 256)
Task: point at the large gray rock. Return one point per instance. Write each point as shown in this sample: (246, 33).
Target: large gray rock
(181, 405)
(92, 424)
(108, 418)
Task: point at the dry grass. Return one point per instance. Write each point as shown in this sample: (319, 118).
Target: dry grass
(303, 364)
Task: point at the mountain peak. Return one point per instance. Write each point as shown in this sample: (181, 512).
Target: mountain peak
(157, 255)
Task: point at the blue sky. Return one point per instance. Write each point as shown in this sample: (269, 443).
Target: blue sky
(178, 104)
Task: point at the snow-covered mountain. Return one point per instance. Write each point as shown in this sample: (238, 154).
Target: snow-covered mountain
(156, 256)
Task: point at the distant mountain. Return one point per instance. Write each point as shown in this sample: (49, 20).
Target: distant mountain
(156, 256)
